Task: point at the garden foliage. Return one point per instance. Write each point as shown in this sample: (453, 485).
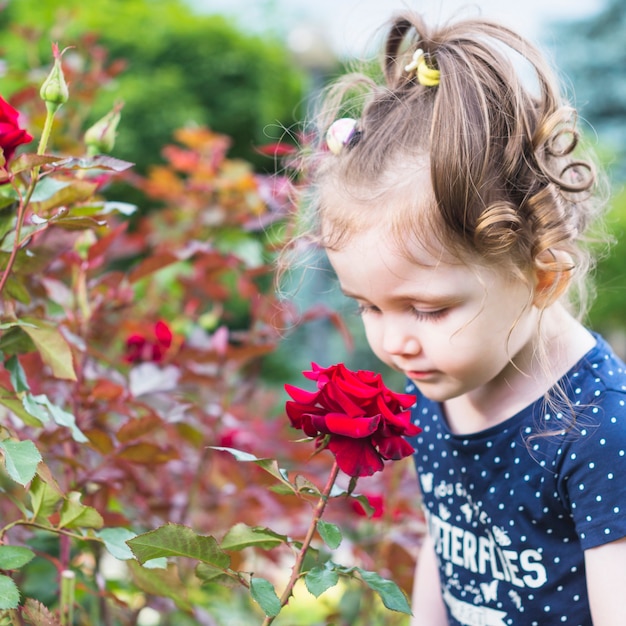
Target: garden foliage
(145, 464)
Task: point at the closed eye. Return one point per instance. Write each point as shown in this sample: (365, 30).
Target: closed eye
(430, 316)
(362, 309)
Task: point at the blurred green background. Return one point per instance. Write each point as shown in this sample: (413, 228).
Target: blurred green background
(249, 70)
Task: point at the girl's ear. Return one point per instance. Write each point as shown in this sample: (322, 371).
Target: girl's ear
(552, 278)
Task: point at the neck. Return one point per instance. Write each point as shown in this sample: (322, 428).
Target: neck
(560, 343)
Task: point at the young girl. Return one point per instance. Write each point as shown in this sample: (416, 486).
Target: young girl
(454, 212)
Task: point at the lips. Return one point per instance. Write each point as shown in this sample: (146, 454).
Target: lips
(420, 374)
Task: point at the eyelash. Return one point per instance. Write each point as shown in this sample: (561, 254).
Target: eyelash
(431, 316)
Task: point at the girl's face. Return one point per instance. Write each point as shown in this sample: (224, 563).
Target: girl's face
(452, 328)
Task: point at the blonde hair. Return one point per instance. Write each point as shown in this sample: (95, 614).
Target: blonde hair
(496, 136)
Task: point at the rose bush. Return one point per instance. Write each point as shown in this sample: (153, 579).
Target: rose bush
(354, 414)
(129, 352)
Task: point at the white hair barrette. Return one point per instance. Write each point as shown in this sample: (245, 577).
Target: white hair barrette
(340, 133)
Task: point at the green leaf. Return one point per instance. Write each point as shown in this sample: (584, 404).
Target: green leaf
(47, 187)
(320, 579)
(209, 574)
(52, 347)
(115, 542)
(268, 465)
(161, 582)
(178, 540)
(14, 557)
(304, 485)
(330, 533)
(9, 593)
(44, 497)
(35, 409)
(16, 406)
(77, 515)
(14, 340)
(365, 503)
(27, 161)
(51, 193)
(392, 596)
(61, 417)
(243, 536)
(99, 161)
(21, 459)
(18, 376)
(263, 592)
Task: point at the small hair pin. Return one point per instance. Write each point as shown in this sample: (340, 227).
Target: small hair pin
(340, 133)
(427, 76)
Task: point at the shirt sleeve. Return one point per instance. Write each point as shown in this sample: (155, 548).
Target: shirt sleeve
(592, 470)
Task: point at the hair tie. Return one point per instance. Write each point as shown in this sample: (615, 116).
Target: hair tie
(340, 134)
(427, 76)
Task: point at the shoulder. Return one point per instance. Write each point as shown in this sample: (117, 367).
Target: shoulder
(597, 383)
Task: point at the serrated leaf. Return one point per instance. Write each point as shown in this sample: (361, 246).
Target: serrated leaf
(268, 465)
(392, 596)
(9, 593)
(77, 515)
(14, 557)
(115, 542)
(178, 540)
(52, 346)
(21, 459)
(264, 594)
(37, 614)
(320, 579)
(242, 536)
(330, 533)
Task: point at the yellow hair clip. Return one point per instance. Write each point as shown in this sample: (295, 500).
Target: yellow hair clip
(427, 76)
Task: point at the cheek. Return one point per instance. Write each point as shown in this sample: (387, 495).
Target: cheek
(374, 335)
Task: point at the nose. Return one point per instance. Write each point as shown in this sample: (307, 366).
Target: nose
(399, 338)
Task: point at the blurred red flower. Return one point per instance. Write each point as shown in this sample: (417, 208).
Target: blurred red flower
(375, 501)
(148, 347)
(355, 415)
(11, 135)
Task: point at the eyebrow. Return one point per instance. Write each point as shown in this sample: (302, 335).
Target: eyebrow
(432, 299)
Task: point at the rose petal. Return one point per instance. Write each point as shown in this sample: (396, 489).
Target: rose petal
(302, 395)
(340, 424)
(355, 457)
(338, 399)
(394, 448)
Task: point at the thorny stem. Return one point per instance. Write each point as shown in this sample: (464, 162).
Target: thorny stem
(297, 566)
(21, 212)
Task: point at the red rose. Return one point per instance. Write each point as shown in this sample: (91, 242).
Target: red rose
(142, 348)
(355, 415)
(11, 135)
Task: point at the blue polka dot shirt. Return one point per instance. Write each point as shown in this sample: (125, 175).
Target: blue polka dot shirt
(511, 513)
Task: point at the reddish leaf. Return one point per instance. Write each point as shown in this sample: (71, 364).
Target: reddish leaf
(147, 453)
(138, 427)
